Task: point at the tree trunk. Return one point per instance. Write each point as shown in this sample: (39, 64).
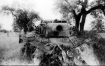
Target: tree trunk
(83, 22)
(77, 25)
(25, 29)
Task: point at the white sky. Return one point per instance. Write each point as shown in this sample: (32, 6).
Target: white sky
(6, 21)
(45, 9)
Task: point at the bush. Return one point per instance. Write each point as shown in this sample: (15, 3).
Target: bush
(98, 45)
(97, 42)
(5, 31)
(99, 50)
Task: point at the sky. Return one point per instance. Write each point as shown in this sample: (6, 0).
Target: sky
(45, 8)
(6, 21)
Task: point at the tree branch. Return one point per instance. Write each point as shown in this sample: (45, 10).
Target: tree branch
(70, 7)
(94, 8)
(103, 9)
(13, 14)
(73, 11)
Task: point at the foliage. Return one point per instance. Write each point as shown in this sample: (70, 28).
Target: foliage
(23, 18)
(80, 9)
(98, 25)
(99, 49)
(15, 27)
(97, 43)
(90, 34)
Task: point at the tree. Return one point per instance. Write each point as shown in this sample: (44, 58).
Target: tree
(80, 10)
(15, 27)
(0, 26)
(23, 18)
(98, 25)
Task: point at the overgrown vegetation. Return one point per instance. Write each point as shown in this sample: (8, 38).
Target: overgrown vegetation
(97, 42)
(98, 25)
(58, 53)
(99, 50)
(79, 9)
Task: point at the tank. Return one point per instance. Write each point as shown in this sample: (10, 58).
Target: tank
(44, 38)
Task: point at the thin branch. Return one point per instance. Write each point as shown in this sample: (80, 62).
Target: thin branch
(72, 10)
(6, 8)
(13, 14)
(70, 7)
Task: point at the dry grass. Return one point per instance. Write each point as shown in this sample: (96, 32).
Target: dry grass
(10, 50)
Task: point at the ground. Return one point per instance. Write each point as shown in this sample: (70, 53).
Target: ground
(10, 49)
